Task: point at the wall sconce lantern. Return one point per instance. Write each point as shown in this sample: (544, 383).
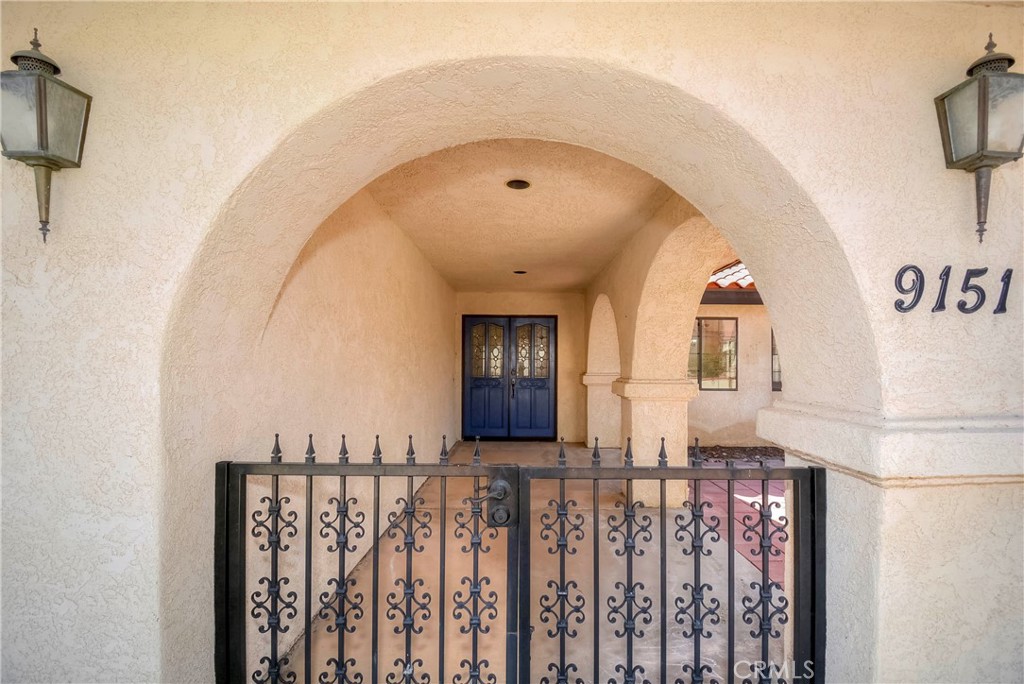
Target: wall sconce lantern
(982, 122)
(44, 121)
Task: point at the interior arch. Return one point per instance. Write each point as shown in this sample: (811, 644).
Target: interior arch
(226, 297)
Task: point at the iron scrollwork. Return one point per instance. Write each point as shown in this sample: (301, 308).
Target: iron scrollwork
(410, 603)
(475, 603)
(340, 607)
(632, 608)
(563, 609)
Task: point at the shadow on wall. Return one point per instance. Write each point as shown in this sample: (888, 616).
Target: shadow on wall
(210, 396)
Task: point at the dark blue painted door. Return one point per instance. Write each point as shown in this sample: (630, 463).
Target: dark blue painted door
(509, 377)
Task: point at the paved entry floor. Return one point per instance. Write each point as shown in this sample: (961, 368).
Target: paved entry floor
(590, 604)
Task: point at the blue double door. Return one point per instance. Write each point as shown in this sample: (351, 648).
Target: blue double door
(508, 377)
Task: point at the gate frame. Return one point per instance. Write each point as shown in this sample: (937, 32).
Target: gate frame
(807, 524)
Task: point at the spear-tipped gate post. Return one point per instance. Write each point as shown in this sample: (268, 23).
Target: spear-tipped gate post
(343, 454)
(410, 454)
(275, 453)
(310, 451)
(561, 453)
(376, 450)
(443, 458)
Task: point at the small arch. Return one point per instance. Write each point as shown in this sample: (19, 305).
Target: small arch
(604, 407)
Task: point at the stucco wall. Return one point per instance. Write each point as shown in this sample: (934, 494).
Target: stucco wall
(212, 158)
(730, 418)
(572, 346)
(354, 344)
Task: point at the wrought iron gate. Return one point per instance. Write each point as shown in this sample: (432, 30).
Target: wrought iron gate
(475, 573)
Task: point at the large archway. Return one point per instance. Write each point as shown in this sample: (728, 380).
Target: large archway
(210, 402)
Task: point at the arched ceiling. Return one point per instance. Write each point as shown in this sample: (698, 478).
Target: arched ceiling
(580, 208)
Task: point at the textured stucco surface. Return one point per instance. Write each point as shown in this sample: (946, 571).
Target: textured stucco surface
(212, 157)
(730, 418)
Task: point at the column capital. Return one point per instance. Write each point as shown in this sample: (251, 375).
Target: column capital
(655, 389)
(590, 379)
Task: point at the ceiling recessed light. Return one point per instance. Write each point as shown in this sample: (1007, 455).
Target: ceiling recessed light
(518, 184)
(519, 272)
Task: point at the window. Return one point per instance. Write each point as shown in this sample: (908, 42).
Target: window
(713, 353)
(776, 367)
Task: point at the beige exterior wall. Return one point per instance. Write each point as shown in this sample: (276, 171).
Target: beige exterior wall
(730, 418)
(572, 347)
(221, 142)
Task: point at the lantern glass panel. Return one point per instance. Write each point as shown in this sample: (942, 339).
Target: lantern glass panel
(1005, 113)
(962, 112)
(65, 120)
(19, 103)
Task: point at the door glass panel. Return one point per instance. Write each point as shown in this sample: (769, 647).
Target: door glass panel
(523, 335)
(495, 350)
(479, 350)
(541, 350)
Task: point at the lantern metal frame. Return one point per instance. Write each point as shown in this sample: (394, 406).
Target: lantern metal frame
(34, 66)
(991, 65)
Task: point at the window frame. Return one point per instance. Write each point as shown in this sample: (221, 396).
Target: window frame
(700, 353)
(776, 384)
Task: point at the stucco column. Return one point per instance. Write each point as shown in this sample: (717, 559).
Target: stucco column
(604, 410)
(653, 409)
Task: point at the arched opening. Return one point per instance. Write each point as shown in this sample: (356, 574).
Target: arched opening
(214, 407)
(604, 407)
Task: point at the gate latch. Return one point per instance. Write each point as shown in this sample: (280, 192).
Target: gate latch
(501, 501)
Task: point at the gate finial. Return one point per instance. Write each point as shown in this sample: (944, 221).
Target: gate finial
(410, 455)
(663, 455)
(275, 453)
(343, 454)
(595, 458)
(561, 453)
(698, 458)
(443, 460)
(476, 452)
(628, 458)
(376, 450)
(310, 451)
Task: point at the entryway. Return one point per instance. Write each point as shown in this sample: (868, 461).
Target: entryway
(508, 377)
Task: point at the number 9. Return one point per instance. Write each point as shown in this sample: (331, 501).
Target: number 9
(916, 287)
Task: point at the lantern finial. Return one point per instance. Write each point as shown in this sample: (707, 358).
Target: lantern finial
(992, 61)
(34, 60)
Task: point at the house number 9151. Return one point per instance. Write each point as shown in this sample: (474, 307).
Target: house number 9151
(910, 281)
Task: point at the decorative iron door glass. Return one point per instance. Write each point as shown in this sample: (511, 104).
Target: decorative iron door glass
(508, 377)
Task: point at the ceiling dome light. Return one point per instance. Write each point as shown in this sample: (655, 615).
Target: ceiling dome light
(518, 184)
(519, 272)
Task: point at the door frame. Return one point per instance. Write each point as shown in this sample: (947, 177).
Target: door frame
(461, 365)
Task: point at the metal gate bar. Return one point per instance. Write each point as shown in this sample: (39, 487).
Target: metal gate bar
(559, 608)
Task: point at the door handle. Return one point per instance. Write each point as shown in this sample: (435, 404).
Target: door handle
(513, 381)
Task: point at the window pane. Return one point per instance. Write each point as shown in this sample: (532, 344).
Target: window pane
(691, 368)
(776, 367)
(540, 351)
(718, 353)
(523, 335)
(495, 350)
(962, 111)
(479, 350)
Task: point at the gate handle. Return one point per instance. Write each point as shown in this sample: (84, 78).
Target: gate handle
(498, 491)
